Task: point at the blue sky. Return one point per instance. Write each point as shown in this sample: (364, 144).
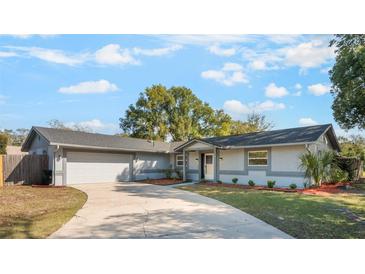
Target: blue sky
(91, 79)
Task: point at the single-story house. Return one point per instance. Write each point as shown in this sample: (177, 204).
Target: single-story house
(82, 158)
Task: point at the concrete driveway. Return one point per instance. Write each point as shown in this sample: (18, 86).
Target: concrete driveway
(135, 210)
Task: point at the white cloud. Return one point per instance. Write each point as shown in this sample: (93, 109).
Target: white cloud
(5, 54)
(319, 89)
(262, 59)
(307, 122)
(273, 91)
(298, 93)
(258, 65)
(308, 55)
(325, 70)
(298, 86)
(113, 54)
(22, 36)
(157, 51)
(207, 39)
(94, 125)
(284, 38)
(237, 108)
(53, 55)
(226, 52)
(230, 74)
(101, 86)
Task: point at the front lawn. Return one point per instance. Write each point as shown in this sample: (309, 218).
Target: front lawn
(31, 212)
(302, 216)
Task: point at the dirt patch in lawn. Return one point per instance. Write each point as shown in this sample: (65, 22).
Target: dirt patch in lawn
(162, 182)
(32, 212)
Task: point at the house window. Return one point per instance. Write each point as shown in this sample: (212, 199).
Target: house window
(257, 158)
(179, 160)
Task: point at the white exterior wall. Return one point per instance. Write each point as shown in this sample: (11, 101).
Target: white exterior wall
(232, 159)
(286, 158)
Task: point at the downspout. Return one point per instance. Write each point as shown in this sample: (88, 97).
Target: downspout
(54, 165)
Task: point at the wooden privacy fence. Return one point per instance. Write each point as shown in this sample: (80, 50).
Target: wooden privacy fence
(26, 169)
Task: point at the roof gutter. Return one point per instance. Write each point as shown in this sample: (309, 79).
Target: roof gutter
(268, 145)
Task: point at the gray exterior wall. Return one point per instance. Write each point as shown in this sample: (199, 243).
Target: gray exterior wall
(41, 146)
(283, 166)
(151, 165)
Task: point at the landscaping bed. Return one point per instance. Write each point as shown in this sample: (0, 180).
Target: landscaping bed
(335, 216)
(37, 212)
(324, 189)
(162, 182)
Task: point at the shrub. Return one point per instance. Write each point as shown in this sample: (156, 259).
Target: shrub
(251, 183)
(293, 186)
(270, 183)
(3, 143)
(219, 182)
(46, 177)
(317, 166)
(178, 174)
(168, 173)
(338, 175)
(234, 180)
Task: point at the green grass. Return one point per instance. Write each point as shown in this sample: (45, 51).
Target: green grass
(29, 212)
(301, 216)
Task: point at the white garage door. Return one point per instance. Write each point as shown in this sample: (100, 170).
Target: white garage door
(91, 167)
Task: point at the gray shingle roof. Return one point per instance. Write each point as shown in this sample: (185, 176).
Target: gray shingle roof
(274, 137)
(77, 138)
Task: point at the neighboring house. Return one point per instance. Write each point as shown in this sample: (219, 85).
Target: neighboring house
(15, 150)
(79, 157)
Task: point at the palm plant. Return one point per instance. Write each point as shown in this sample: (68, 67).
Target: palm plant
(317, 166)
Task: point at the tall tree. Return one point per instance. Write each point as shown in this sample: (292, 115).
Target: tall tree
(55, 123)
(255, 122)
(175, 113)
(348, 80)
(353, 146)
(148, 118)
(16, 137)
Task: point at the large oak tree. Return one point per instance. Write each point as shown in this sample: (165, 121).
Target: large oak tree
(348, 80)
(176, 113)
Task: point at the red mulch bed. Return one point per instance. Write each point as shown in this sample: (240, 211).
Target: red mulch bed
(324, 190)
(162, 182)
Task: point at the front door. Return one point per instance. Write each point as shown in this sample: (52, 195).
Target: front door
(208, 166)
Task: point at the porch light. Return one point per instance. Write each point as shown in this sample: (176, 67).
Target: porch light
(220, 158)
